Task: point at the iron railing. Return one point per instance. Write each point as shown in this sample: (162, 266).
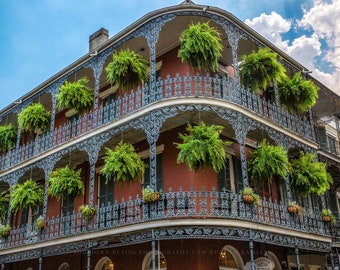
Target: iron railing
(171, 205)
(178, 86)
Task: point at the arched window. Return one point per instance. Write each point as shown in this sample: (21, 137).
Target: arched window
(159, 261)
(105, 263)
(230, 258)
(64, 266)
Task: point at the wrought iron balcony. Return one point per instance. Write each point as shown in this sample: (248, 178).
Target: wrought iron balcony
(210, 205)
(179, 86)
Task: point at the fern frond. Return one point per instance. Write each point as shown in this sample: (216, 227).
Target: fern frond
(26, 195)
(259, 69)
(127, 69)
(309, 176)
(65, 181)
(76, 95)
(34, 118)
(8, 136)
(123, 164)
(201, 46)
(202, 146)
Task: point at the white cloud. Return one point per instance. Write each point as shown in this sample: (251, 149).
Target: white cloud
(324, 21)
(271, 27)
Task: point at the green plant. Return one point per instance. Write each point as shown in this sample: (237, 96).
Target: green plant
(27, 195)
(4, 203)
(127, 69)
(201, 46)
(267, 161)
(8, 136)
(249, 196)
(66, 182)
(122, 164)
(34, 118)
(327, 216)
(150, 195)
(309, 176)
(76, 95)
(4, 230)
(87, 212)
(40, 223)
(202, 146)
(297, 94)
(259, 69)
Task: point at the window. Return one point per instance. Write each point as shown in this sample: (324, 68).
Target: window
(105, 192)
(159, 173)
(29, 216)
(105, 263)
(108, 104)
(224, 177)
(67, 206)
(230, 258)
(160, 261)
(227, 260)
(238, 174)
(64, 266)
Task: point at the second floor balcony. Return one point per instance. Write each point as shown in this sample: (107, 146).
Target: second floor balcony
(174, 208)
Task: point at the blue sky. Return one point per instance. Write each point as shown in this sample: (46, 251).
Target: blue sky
(39, 38)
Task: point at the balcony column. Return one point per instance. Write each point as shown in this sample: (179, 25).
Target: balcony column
(297, 257)
(40, 261)
(233, 34)
(47, 165)
(153, 255)
(151, 33)
(3, 263)
(54, 90)
(13, 179)
(97, 64)
(241, 127)
(288, 192)
(88, 267)
(92, 148)
(332, 259)
(251, 250)
(152, 137)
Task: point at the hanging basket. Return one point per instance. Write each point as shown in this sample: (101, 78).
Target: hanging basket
(247, 198)
(326, 219)
(293, 210)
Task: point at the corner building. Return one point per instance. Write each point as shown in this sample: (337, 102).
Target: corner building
(200, 221)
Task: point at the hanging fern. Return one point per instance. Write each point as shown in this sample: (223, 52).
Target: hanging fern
(202, 147)
(66, 182)
(259, 69)
(8, 136)
(309, 176)
(127, 69)
(27, 195)
(201, 46)
(4, 203)
(267, 161)
(34, 118)
(123, 164)
(76, 95)
(297, 94)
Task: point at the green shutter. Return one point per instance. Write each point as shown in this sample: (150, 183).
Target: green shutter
(321, 131)
(238, 174)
